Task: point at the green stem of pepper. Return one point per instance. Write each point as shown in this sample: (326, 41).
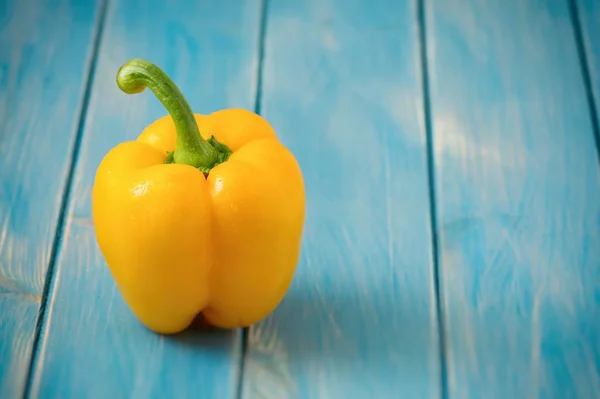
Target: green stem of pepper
(190, 149)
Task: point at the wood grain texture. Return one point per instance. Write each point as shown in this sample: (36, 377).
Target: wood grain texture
(342, 89)
(44, 58)
(589, 20)
(517, 200)
(93, 346)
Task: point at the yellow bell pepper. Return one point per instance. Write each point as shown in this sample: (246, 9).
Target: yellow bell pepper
(199, 214)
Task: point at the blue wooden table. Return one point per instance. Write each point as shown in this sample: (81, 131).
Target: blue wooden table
(450, 155)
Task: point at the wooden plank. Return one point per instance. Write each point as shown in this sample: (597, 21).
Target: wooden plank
(517, 200)
(342, 87)
(45, 48)
(587, 21)
(92, 345)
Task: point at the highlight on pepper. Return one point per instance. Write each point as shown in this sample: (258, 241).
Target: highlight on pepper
(199, 214)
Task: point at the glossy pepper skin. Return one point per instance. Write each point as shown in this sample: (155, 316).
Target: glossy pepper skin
(199, 214)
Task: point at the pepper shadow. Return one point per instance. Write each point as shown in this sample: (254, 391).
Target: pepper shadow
(201, 335)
